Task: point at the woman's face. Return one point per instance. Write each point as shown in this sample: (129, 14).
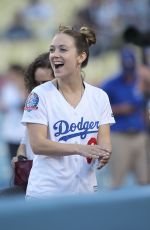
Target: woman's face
(43, 75)
(64, 58)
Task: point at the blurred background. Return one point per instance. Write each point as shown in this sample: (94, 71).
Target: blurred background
(26, 29)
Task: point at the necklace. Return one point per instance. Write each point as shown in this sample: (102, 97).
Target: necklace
(74, 102)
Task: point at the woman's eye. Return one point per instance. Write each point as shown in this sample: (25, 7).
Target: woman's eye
(51, 50)
(63, 50)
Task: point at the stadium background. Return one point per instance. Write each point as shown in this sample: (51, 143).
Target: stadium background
(24, 51)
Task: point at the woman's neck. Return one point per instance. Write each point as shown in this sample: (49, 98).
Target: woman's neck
(71, 93)
(70, 85)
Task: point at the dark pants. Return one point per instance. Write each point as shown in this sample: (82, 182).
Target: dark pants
(13, 149)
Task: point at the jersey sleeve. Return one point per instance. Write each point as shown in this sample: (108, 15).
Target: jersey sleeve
(35, 109)
(106, 115)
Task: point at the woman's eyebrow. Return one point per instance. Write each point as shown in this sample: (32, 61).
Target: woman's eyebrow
(61, 45)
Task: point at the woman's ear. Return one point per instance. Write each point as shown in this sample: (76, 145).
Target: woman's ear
(82, 57)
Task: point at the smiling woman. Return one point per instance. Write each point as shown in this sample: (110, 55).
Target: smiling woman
(70, 124)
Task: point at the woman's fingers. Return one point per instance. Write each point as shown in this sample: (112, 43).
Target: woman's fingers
(95, 152)
(98, 153)
(103, 161)
(14, 159)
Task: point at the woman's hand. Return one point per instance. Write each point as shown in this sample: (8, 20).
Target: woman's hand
(95, 152)
(18, 158)
(91, 151)
(104, 159)
(14, 160)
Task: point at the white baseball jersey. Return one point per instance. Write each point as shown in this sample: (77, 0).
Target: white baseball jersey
(51, 175)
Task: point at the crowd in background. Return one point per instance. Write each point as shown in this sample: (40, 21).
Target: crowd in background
(27, 22)
(109, 19)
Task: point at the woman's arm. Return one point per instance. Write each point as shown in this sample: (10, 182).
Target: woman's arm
(21, 150)
(41, 145)
(104, 141)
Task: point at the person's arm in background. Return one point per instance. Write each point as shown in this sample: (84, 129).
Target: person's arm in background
(103, 139)
(21, 150)
(126, 108)
(123, 108)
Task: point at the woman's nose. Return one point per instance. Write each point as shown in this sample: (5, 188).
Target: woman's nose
(55, 53)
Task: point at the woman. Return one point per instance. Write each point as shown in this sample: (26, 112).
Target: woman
(67, 121)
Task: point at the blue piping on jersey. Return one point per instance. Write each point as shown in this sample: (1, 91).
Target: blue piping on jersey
(81, 134)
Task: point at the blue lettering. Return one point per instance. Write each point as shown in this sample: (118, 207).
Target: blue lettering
(81, 134)
(91, 125)
(97, 124)
(80, 124)
(62, 127)
(72, 127)
(82, 129)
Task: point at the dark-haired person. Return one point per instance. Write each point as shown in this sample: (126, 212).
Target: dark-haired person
(68, 121)
(38, 72)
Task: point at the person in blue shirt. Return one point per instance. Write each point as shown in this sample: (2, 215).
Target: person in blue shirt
(128, 134)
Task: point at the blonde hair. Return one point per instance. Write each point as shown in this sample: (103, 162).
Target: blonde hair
(89, 35)
(84, 38)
